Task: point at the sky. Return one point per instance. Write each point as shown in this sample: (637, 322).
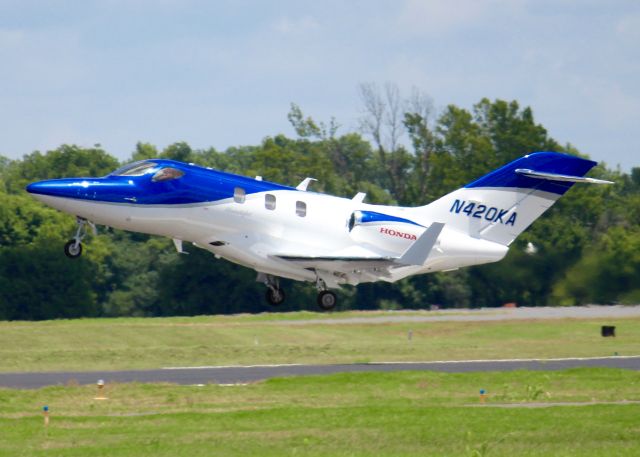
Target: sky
(224, 73)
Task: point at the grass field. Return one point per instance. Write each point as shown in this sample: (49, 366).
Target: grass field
(366, 414)
(581, 412)
(92, 344)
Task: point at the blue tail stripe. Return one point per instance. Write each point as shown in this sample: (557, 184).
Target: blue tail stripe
(551, 162)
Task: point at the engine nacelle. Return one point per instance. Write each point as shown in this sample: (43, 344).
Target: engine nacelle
(384, 231)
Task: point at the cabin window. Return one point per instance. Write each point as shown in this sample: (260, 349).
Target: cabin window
(239, 195)
(270, 201)
(301, 209)
(167, 174)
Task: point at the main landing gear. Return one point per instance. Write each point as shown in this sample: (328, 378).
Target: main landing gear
(73, 247)
(275, 295)
(326, 299)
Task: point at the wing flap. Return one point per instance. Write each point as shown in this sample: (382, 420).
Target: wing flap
(341, 264)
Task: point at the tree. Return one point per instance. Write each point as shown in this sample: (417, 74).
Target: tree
(417, 121)
(382, 120)
(144, 151)
(37, 282)
(65, 161)
(307, 128)
(607, 273)
(587, 244)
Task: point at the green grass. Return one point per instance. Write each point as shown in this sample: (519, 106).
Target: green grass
(136, 343)
(364, 414)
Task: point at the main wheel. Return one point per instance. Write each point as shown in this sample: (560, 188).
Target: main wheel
(275, 297)
(72, 249)
(327, 300)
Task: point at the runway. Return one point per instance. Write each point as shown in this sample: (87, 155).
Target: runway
(247, 374)
(481, 315)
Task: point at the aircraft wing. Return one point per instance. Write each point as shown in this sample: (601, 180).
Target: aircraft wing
(416, 254)
(341, 264)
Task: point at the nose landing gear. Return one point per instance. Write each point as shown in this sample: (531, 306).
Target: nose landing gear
(73, 247)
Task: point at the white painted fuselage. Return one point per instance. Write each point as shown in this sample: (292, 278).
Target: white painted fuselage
(285, 232)
(251, 235)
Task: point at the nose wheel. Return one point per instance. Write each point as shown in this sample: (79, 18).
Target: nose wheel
(73, 247)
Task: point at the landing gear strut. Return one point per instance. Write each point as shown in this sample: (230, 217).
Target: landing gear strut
(275, 295)
(73, 247)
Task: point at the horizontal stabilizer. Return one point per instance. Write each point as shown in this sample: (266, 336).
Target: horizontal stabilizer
(418, 252)
(558, 177)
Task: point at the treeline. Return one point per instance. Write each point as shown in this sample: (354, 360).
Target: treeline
(587, 246)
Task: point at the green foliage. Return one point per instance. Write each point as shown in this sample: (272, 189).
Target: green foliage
(144, 151)
(587, 244)
(36, 282)
(608, 272)
(65, 161)
(285, 337)
(344, 414)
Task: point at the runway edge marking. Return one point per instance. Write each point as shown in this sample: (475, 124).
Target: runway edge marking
(414, 362)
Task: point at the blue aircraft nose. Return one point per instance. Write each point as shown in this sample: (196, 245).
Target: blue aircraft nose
(36, 187)
(56, 187)
(95, 189)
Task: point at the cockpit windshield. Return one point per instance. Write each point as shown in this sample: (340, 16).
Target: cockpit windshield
(135, 169)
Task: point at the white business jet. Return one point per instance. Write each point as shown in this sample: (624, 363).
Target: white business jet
(281, 231)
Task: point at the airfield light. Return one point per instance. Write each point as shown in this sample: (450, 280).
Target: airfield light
(100, 385)
(45, 412)
(483, 396)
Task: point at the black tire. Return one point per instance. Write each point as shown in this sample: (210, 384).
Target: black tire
(327, 300)
(72, 250)
(275, 297)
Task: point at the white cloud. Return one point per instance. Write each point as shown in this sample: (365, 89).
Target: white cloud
(36, 60)
(442, 16)
(628, 28)
(10, 38)
(297, 26)
(618, 110)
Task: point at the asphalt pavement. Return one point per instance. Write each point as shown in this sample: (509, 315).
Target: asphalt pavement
(247, 374)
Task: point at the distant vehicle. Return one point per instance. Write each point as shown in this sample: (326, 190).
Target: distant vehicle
(281, 231)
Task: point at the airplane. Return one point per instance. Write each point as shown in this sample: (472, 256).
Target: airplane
(291, 232)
